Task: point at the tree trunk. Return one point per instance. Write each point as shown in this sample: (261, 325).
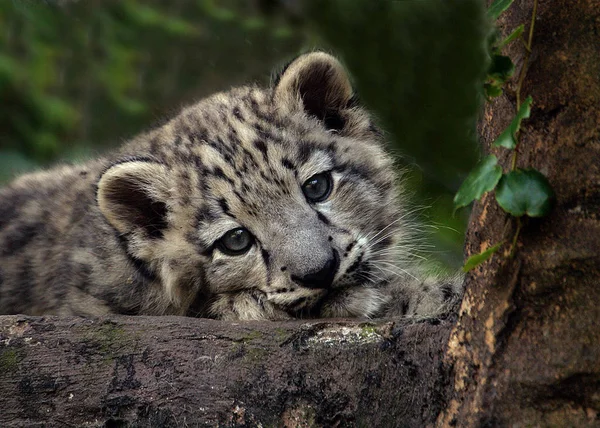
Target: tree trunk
(526, 348)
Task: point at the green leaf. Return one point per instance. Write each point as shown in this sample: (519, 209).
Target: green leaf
(525, 192)
(508, 138)
(516, 33)
(499, 6)
(481, 179)
(501, 68)
(492, 90)
(476, 259)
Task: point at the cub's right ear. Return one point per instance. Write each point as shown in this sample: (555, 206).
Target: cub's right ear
(133, 197)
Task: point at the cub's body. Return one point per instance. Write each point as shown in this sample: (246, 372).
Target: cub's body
(252, 204)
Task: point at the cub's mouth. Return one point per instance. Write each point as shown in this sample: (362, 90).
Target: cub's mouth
(355, 293)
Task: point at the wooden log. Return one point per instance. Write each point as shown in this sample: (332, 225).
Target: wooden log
(175, 371)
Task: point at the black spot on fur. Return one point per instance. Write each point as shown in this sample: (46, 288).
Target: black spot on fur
(287, 163)
(238, 113)
(225, 207)
(248, 157)
(204, 215)
(448, 292)
(265, 135)
(404, 304)
(283, 269)
(355, 265)
(9, 208)
(266, 257)
(304, 152)
(233, 138)
(142, 269)
(197, 161)
(360, 171)
(240, 197)
(20, 236)
(324, 219)
(219, 173)
(262, 147)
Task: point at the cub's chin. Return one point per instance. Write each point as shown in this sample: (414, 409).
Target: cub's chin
(353, 302)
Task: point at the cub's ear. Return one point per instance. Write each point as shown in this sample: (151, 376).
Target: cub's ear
(133, 197)
(321, 84)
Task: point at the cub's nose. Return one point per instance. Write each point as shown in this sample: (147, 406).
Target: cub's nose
(323, 278)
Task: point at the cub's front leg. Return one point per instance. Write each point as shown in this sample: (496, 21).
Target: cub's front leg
(423, 296)
(245, 306)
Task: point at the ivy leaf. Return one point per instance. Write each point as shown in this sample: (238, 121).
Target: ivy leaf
(501, 68)
(516, 33)
(481, 179)
(499, 6)
(476, 259)
(508, 138)
(525, 191)
(492, 90)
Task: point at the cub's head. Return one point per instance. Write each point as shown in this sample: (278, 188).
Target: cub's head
(285, 194)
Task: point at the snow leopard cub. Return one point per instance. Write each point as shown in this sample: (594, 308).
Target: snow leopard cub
(257, 203)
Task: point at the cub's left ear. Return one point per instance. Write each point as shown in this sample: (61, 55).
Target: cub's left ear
(320, 83)
(133, 197)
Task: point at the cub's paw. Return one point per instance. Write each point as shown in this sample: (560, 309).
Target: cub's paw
(245, 306)
(431, 296)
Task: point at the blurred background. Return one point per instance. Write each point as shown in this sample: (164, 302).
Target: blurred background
(78, 78)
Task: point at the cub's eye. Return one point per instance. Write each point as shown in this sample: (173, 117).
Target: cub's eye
(236, 241)
(318, 187)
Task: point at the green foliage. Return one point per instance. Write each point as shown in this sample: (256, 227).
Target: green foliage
(88, 74)
(508, 138)
(516, 33)
(501, 67)
(499, 6)
(525, 192)
(482, 178)
(476, 259)
(519, 192)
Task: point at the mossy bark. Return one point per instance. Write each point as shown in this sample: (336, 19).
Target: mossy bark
(526, 348)
(174, 371)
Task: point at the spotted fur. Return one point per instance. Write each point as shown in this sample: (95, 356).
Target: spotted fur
(141, 230)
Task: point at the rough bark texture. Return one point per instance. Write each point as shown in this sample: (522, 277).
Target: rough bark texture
(172, 371)
(526, 348)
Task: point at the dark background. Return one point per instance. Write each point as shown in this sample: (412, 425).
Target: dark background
(79, 78)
